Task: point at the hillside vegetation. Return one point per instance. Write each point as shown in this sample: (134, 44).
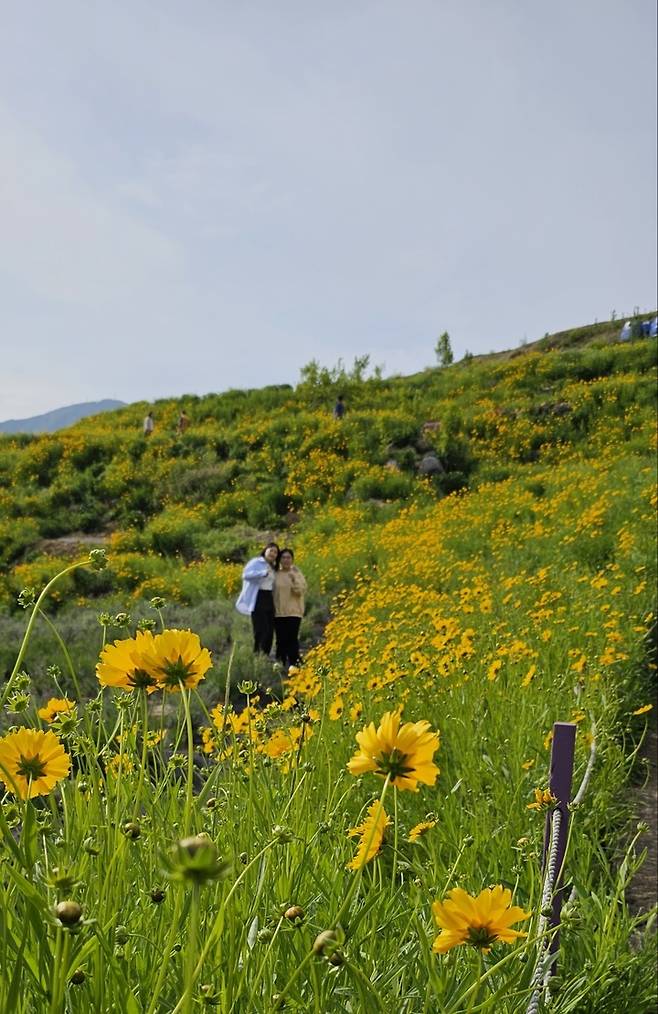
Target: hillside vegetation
(512, 588)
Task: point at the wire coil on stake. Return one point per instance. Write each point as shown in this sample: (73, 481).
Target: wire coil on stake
(555, 844)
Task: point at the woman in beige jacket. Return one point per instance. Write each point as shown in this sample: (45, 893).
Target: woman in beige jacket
(289, 589)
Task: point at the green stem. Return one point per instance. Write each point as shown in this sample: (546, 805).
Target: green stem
(54, 985)
(60, 970)
(191, 950)
(28, 630)
(359, 974)
(348, 897)
(512, 956)
(454, 867)
(190, 762)
(142, 768)
(219, 918)
(166, 954)
(473, 999)
(395, 839)
(65, 652)
(259, 974)
(250, 801)
(359, 873)
(227, 690)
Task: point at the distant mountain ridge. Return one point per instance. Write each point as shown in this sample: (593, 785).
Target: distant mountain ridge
(59, 418)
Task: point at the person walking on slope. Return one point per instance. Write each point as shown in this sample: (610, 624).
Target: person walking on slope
(289, 588)
(149, 423)
(339, 407)
(257, 599)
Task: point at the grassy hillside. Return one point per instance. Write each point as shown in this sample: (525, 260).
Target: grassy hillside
(510, 590)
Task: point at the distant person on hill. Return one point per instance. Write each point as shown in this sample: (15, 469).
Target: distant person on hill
(257, 596)
(289, 588)
(149, 424)
(339, 407)
(183, 422)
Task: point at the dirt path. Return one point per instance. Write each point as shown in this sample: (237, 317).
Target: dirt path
(643, 893)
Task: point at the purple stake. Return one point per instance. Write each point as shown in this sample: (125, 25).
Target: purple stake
(562, 752)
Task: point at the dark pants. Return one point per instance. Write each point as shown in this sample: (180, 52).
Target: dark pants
(287, 639)
(262, 621)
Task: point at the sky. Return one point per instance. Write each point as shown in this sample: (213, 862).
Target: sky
(205, 195)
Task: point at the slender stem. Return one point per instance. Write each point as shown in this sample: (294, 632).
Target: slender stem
(54, 985)
(395, 839)
(142, 767)
(359, 873)
(28, 630)
(166, 954)
(473, 999)
(227, 690)
(190, 762)
(212, 936)
(454, 867)
(191, 950)
(65, 652)
(359, 974)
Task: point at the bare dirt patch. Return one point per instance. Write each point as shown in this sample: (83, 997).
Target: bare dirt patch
(643, 893)
(72, 544)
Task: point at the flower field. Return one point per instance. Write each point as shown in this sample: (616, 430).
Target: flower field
(181, 830)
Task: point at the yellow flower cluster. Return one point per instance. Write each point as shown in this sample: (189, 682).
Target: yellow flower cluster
(170, 661)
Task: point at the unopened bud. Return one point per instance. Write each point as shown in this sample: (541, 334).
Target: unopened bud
(69, 913)
(325, 942)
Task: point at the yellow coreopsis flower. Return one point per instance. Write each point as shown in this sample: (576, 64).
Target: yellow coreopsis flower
(420, 829)
(56, 706)
(176, 659)
(32, 762)
(403, 752)
(643, 710)
(122, 664)
(479, 921)
(544, 800)
(371, 834)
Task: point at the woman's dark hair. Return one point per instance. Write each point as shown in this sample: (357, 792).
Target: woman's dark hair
(276, 546)
(286, 549)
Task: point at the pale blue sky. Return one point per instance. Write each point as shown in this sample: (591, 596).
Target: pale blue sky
(203, 195)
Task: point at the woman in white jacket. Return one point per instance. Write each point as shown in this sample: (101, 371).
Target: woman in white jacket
(256, 598)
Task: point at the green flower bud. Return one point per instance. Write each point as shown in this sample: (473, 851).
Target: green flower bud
(63, 881)
(27, 597)
(98, 559)
(69, 913)
(195, 860)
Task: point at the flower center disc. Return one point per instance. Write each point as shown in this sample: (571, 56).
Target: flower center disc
(394, 764)
(31, 767)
